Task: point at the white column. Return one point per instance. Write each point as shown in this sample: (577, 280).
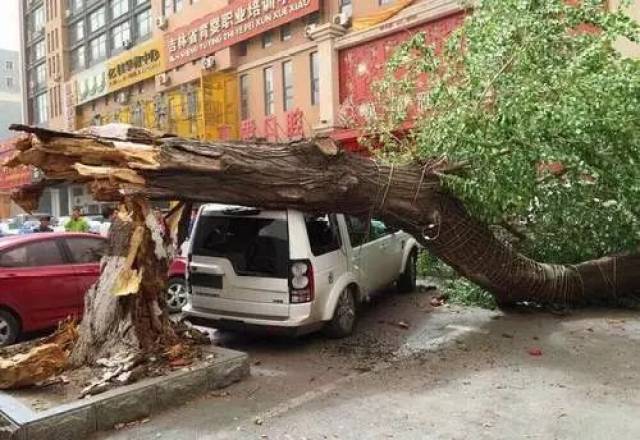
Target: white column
(329, 104)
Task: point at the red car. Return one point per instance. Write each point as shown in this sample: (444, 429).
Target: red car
(44, 276)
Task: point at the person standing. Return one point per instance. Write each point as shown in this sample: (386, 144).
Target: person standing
(76, 223)
(109, 215)
(45, 220)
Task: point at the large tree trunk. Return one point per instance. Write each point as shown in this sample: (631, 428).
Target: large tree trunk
(123, 313)
(316, 176)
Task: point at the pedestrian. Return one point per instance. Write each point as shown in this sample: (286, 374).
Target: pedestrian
(192, 220)
(109, 215)
(76, 223)
(44, 224)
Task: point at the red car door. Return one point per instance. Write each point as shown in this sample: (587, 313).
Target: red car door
(47, 283)
(84, 253)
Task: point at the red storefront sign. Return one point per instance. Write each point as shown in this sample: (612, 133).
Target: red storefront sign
(225, 27)
(361, 66)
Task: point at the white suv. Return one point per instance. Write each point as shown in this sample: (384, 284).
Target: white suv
(290, 272)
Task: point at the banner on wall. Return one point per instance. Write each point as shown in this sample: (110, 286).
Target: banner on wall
(142, 62)
(91, 84)
(239, 21)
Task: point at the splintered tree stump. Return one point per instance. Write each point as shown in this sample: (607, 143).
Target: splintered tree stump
(123, 309)
(312, 175)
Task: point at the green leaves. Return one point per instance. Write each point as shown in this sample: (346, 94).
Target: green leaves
(541, 80)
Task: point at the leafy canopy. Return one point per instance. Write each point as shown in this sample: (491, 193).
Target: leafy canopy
(532, 96)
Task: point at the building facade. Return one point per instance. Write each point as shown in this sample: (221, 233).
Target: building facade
(10, 91)
(216, 69)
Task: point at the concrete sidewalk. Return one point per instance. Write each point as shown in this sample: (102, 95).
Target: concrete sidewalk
(455, 373)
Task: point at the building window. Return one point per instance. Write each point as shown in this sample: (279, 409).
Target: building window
(39, 50)
(96, 19)
(242, 49)
(267, 39)
(41, 109)
(285, 32)
(269, 103)
(287, 85)
(141, 2)
(120, 37)
(385, 2)
(77, 31)
(78, 61)
(8, 82)
(75, 5)
(346, 7)
(41, 75)
(315, 78)
(98, 47)
(38, 19)
(244, 97)
(8, 65)
(143, 24)
(171, 6)
(119, 7)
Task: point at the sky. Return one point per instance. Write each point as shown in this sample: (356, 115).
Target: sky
(9, 25)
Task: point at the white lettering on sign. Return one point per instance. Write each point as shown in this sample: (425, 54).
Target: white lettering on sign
(230, 25)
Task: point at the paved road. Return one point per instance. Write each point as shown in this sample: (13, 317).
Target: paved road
(455, 373)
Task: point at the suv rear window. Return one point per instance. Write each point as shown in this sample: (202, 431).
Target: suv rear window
(254, 246)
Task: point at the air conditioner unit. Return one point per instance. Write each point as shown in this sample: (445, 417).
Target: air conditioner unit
(308, 29)
(209, 62)
(162, 22)
(127, 44)
(122, 98)
(164, 79)
(343, 19)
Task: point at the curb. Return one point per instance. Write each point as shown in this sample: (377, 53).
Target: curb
(79, 419)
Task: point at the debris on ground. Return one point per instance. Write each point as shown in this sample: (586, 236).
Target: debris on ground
(120, 426)
(535, 351)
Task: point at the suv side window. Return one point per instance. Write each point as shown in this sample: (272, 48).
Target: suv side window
(39, 253)
(324, 236)
(86, 250)
(358, 229)
(363, 230)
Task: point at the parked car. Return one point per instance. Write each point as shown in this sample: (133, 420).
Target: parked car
(290, 272)
(43, 279)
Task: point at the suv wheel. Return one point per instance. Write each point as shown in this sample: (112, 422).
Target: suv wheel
(9, 328)
(407, 280)
(176, 296)
(344, 316)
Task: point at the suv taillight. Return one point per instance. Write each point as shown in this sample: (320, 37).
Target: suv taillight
(300, 281)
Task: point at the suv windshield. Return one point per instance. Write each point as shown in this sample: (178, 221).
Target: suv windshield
(255, 246)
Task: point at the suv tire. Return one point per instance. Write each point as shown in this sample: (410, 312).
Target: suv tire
(344, 316)
(407, 280)
(9, 328)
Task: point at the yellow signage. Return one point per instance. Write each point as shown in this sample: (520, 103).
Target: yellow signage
(141, 62)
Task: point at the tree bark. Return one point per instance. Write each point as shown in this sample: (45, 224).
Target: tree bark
(316, 176)
(122, 311)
